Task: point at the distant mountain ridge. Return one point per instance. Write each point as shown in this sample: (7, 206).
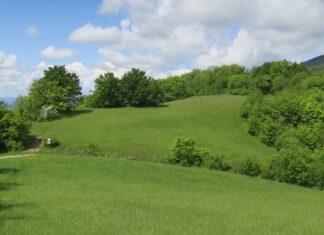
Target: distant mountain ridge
(315, 63)
(9, 101)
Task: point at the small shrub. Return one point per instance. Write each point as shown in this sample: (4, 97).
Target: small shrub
(91, 150)
(219, 163)
(249, 166)
(185, 152)
(14, 146)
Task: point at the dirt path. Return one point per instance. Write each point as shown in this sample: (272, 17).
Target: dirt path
(33, 148)
(16, 156)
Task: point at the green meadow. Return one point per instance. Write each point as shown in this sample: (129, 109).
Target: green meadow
(51, 194)
(149, 132)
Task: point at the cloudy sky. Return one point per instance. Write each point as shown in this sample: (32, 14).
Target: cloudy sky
(162, 37)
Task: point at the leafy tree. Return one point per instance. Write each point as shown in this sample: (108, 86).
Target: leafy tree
(140, 90)
(108, 92)
(58, 89)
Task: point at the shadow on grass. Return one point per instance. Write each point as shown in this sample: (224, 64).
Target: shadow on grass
(77, 113)
(6, 186)
(9, 171)
(154, 107)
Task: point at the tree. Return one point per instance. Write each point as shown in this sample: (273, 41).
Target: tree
(108, 92)
(58, 89)
(140, 90)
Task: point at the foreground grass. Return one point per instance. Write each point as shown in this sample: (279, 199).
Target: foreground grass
(73, 195)
(149, 132)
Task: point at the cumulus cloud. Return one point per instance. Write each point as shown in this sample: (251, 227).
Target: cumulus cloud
(111, 6)
(96, 34)
(32, 31)
(190, 33)
(11, 79)
(168, 37)
(57, 53)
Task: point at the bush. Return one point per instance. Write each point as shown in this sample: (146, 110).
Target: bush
(91, 150)
(317, 170)
(186, 153)
(219, 163)
(292, 165)
(249, 166)
(14, 130)
(48, 112)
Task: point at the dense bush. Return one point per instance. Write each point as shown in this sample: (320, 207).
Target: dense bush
(186, 152)
(219, 162)
(291, 165)
(14, 130)
(249, 166)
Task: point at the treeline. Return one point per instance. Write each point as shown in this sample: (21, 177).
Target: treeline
(270, 78)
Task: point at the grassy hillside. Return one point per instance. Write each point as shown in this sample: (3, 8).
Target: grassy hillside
(72, 195)
(149, 132)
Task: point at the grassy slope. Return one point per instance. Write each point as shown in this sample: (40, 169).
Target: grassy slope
(72, 195)
(149, 132)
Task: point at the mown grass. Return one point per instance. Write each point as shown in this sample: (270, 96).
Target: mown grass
(78, 195)
(149, 132)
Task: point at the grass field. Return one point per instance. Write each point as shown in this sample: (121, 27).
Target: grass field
(149, 132)
(78, 195)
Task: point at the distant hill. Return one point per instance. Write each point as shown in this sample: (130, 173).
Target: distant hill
(9, 101)
(315, 63)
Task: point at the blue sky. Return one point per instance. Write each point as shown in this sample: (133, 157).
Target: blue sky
(162, 37)
(55, 20)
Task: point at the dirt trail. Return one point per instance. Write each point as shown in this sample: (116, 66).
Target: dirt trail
(33, 148)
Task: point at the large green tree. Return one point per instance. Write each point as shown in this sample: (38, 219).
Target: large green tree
(55, 93)
(108, 92)
(141, 90)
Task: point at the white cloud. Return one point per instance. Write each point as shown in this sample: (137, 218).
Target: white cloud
(111, 6)
(32, 31)
(57, 53)
(192, 33)
(95, 34)
(11, 79)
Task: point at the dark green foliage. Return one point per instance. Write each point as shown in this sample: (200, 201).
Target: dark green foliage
(134, 89)
(14, 130)
(219, 163)
(250, 166)
(272, 77)
(186, 152)
(287, 118)
(140, 90)
(293, 165)
(108, 92)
